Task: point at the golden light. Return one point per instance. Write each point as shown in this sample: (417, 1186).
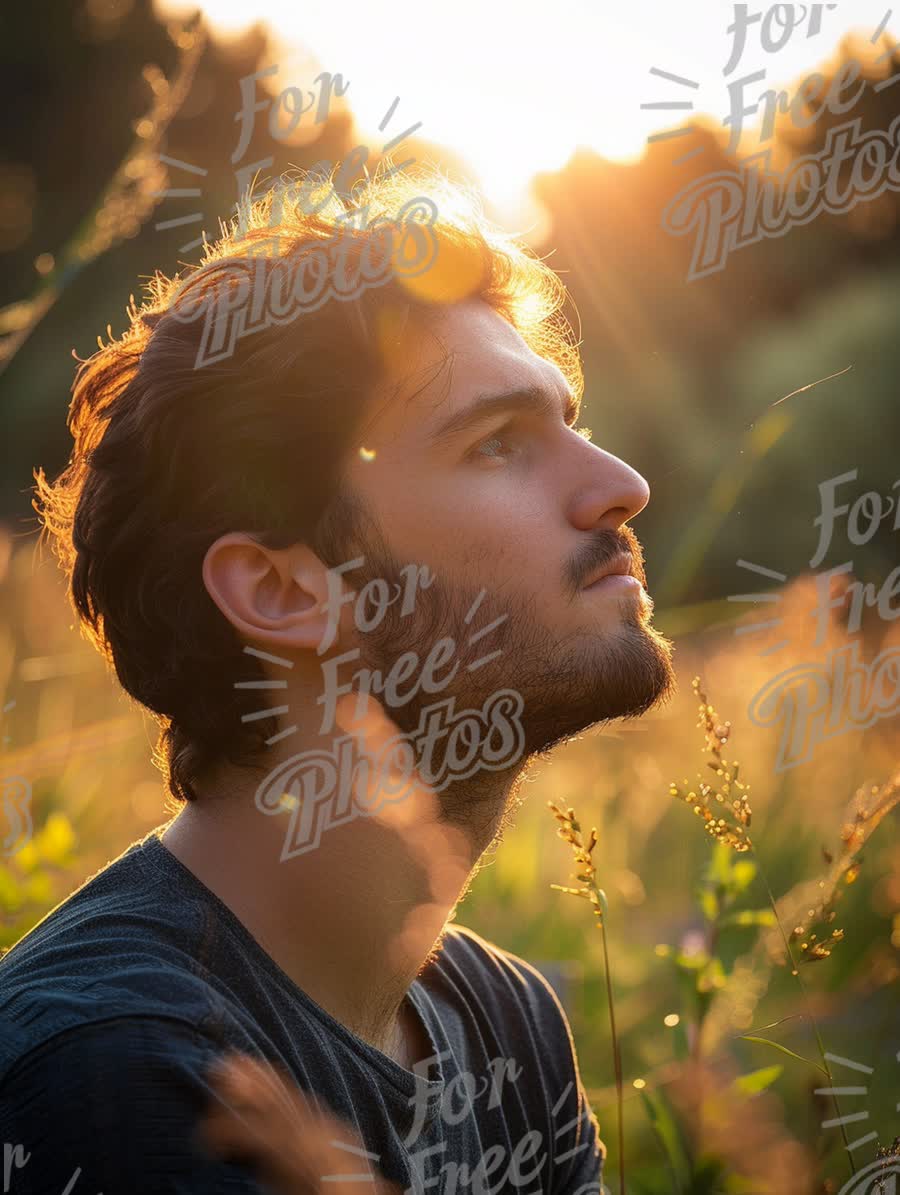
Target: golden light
(515, 90)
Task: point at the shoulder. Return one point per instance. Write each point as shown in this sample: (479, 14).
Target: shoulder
(507, 1001)
(500, 977)
(116, 948)
(45, 1003)
(520, 1010)
(117, 1101)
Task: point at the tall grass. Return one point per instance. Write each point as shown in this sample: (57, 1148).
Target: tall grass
(695, 952)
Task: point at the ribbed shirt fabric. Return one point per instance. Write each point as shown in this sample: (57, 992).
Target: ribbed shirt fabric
(113, 1008)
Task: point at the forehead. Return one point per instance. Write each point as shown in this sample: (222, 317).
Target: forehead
(444, 361)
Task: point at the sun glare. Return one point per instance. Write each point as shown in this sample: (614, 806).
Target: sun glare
(514, 91)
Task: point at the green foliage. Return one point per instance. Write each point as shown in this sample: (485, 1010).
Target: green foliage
(756, 1081)
(669, 1135)
(28, 879)
(774, 1045)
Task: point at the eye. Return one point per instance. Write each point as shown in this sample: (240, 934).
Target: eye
(496, 447)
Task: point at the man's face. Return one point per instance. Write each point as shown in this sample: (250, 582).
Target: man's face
(504, 499)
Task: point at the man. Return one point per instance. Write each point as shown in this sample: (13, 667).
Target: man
(361, 564)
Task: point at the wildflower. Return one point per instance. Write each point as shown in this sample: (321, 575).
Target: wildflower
(723, 805)
(884, 1154)
(569, 830)
(869, 807)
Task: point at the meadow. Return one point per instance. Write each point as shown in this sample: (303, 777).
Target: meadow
(723, 1048)
(749, 936)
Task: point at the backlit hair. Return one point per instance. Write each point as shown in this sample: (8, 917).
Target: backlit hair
(169, 454)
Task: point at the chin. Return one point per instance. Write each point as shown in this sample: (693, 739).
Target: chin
(623, 674)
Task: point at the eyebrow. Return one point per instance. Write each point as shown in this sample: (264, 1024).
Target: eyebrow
(529, 400)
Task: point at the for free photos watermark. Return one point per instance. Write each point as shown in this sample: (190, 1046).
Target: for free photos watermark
(727, 210)
(498, 1169)
(253, 295)
(15, 804)
(15, 1156)
(878, 1177)
(327, 788)
(819, 700)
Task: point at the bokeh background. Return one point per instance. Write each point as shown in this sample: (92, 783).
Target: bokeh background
(540, 107)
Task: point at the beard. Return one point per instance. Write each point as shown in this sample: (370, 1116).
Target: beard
(564, 683)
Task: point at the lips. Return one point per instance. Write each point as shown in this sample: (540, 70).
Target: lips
(621, 566)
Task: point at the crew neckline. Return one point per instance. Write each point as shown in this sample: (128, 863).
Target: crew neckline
(154, 853)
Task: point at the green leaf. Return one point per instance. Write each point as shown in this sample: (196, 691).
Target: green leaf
(743, 874)
(721, 864)
(39, 888)
(783, 1050)
(10, 891)
(666, 1129)
(55, 840)
(692, 962)
(765, 917)
(709, 903)
(757, 1081)
(27, 857)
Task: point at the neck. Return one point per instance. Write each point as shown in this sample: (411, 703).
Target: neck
(354, 920)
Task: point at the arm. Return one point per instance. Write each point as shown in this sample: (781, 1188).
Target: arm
(141, 1105)
(113, 1108)
(265, 1118)
(579, 1153)
(512, 992)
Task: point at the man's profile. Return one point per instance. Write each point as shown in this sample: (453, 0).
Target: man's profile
(415, 443)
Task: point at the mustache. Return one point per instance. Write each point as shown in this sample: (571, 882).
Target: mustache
(602, 548)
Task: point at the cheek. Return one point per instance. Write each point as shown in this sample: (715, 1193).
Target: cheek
(511, 534)
(468, 524)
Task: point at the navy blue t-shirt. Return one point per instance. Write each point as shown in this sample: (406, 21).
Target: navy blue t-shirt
(115, 1005)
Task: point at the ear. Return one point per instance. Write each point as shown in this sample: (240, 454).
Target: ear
(277, 596)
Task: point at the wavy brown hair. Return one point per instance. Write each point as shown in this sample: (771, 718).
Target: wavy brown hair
(167, 456)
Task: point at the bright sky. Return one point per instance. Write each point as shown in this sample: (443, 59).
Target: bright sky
(516, 86)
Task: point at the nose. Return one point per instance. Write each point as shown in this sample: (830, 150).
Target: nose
(608, 494)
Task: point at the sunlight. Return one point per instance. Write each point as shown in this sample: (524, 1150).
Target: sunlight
(516, 92)
(515, 100)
